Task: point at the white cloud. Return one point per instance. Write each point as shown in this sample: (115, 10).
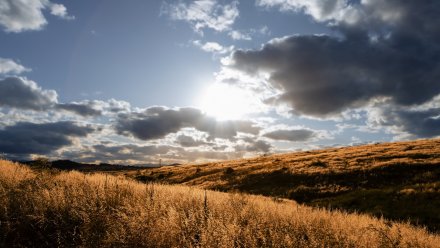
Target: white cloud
(249, 34)
(321, 10)
(237, 35)
(343, 11)
(203, 14)
(60, 11)
(10, 66)
(212, 47)
(22, 15)
(264, 30)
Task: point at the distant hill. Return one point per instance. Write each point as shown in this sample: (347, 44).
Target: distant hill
(102, 167)
(400, 181)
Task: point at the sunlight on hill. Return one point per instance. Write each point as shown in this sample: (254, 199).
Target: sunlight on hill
(400, 181)
(58, 209)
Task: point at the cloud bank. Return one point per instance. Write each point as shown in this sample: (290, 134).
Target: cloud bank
(24, 138)
(18, 92)
(386, 50)
(158, 122)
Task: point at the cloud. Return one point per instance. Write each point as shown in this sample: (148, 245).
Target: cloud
(22, 15)
(321, 10)
(117, 106)
(25, 138)
(83, 109)
(185, 156)
(122, 153)
(410, 123)
(291, 135)
(157, 122)
(10, 66)
(21, 93)
(247, 35)
(203, 14)
(212, 47)
(252, 145)
(189, 141)
(386, 49)
(60, 11)
(18, 92)
(93, 108)
(138, 154)
(237, 35)
(348, 12)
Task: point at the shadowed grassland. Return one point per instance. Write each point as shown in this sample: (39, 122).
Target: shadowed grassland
(71, 209)
(400, 181)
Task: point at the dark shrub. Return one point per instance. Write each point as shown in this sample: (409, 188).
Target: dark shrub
(229, 171)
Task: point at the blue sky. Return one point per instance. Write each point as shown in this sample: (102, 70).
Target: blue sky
(136, 81)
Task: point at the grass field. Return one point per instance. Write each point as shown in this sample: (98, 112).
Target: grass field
(400, 181)
(71, 209)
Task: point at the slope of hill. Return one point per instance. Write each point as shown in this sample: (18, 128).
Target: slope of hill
(71, 209)
(400, 181)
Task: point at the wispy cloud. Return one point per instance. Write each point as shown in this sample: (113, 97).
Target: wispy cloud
(213, 47)
(9, 66)
(60, 10)
(238, 35)
(203, 14)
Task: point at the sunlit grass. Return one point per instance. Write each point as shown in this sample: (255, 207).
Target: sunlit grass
(73, 209)
(394, 180)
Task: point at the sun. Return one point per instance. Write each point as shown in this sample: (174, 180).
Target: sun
(226, 102)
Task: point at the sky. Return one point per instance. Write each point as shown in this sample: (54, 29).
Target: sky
(135, 82)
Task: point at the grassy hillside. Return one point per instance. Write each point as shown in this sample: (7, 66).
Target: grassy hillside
(400, 181)
(66, 209)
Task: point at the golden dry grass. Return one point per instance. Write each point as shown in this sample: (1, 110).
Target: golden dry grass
(400, 181)
(52, 209)
(324, 161)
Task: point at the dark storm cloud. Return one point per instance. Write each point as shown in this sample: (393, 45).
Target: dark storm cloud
(419, 123)
(126, 152)
(26, 138)
(188, 141)
(386, 49)
(157, 122)
(253, 145)
(17, 92)
(225, 129)
(291, 135)
(83, 109)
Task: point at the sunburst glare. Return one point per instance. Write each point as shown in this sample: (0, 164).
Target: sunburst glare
(226, 102)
